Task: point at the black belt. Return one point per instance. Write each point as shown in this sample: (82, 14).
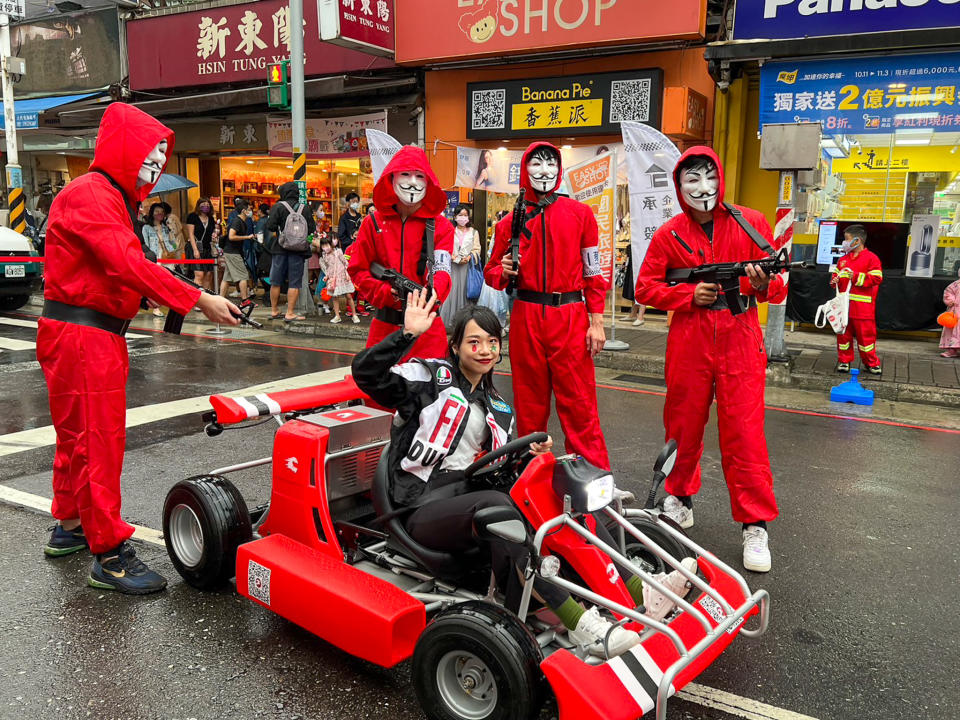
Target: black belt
(389, 315)
(84, 316)
(550, 299)
(749, 301)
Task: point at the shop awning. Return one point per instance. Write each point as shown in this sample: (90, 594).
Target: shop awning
(28, 111)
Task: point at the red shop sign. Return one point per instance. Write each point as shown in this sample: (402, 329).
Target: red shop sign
(365, 25)
(227, 44)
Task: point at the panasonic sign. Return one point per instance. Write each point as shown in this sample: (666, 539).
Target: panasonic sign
(784, 19)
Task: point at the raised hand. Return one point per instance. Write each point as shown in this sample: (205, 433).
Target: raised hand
(419, 315)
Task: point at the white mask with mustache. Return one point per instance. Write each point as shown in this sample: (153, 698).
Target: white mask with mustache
(153, 165)
(410, 187)
(699, 186)
(542, 169)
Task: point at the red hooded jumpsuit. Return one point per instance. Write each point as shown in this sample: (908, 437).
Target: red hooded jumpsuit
(713, 352)
(399, 245)
(94, 260)
(548, 350)
(861, 274)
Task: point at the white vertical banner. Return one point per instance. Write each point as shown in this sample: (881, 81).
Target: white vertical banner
(382, 148)
(650, 159)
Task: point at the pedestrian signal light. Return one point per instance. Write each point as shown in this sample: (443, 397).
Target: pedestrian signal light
(278, 87)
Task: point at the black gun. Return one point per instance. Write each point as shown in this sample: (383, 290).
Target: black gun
(727, 275)
(516, 227)
(401, 283)
(174, 322)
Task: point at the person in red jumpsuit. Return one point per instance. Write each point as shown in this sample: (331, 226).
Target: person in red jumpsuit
(556, 327)
(95, 276)
(860, 273)
(711, 352)
(405, 197)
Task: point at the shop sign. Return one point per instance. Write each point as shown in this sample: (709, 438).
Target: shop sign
(436, 30)
(684, 113)
(932, 158)
(68, 54)
(864, 95)
(785, 19)
(593, 183)
(14, 9)
(327, 137)
(571, 105)
(233, 43)
(226, 136)
(365, 25)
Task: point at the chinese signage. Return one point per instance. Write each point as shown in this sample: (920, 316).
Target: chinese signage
(902, 159)
(432, 30)
(233, 43)
(198, 137)
(366, 25)
(684, 113)
(593, 183)
(16, 9)
(572, 105)
(327, 137)
(783, 19)
(864, 95)
(68, 54)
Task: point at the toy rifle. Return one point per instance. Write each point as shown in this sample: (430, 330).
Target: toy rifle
(517, 226)
(399, 282)
(174, 322)
(727, 275)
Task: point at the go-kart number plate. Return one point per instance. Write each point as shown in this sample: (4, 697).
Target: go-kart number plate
(716, 612)
(15, 271)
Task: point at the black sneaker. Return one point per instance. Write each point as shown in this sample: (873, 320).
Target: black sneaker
(63, 542)
(120, 569)
(875, 370)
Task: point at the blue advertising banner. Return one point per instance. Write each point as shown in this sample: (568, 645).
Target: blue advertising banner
(864, 95)
(785, 19)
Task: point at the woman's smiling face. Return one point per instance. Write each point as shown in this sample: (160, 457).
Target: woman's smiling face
(478, 352)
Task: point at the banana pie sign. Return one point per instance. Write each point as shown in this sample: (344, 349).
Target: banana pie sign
(442, 30)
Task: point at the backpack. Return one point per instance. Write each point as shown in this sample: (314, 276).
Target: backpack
(293, 237)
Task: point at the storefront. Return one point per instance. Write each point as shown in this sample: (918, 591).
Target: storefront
(479, 119)
(889, 111)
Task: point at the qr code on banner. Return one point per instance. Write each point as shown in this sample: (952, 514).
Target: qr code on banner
(258, 582)
(489, 109)
(630, 100)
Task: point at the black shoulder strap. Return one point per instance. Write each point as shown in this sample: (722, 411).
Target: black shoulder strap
(429, 230)
(759, 240)
(376, 225)
(123, 196)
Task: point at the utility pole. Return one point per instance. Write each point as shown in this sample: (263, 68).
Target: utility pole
(298, 125)
(16, 201)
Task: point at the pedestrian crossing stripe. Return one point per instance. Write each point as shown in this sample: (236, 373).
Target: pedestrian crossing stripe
(640, 675)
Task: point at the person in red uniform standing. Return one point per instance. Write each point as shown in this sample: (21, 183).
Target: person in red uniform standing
(95, 277)
(860, 273)
(406, 196)
(556, 328)
(712, 352)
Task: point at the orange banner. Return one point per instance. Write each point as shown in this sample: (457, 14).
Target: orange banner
(592, 183)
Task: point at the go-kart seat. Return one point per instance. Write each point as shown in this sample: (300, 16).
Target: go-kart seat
(441, 564)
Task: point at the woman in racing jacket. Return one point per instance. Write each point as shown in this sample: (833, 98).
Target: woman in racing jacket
(448, 413)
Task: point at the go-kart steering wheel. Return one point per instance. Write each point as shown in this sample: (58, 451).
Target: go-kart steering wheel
(516, 451)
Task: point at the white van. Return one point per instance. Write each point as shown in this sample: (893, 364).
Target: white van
(17, 278)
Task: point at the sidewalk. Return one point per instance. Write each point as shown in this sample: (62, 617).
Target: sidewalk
(913, 368)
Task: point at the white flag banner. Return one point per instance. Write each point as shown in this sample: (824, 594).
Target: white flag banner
(382, 148)
(650, 158)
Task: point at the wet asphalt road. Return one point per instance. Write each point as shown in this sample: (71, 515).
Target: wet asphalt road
(863, 584)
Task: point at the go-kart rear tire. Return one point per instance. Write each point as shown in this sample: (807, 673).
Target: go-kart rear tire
(205, 520)
(640, 554)
(484, 644)
(13, 302)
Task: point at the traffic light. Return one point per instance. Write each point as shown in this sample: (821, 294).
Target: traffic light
(278, 87)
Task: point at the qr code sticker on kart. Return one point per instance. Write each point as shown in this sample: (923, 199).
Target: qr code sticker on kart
(258, 582)
(489, 109)
(716, 612)
(630, 100)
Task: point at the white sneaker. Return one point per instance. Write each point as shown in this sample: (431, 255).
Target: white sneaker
(356, 320)
(678, 512)
(638, 322)
(592, 629)
(336, 319)
(658, 605)
(756, 549)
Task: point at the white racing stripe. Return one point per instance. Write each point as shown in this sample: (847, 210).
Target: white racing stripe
(735, 705)
(43, 436)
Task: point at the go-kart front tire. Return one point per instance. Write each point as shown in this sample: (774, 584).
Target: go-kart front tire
(477, 661)
(641, 554)
(205, 520)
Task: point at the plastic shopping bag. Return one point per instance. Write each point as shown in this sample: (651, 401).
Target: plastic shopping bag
(835, 311)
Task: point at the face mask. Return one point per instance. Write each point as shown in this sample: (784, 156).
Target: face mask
(153, 165)
(355, 206)
(462, 220)
(848, 246)
(542, 169)
(205, 208)
(320, 215)
(699, 186)
(410, 187)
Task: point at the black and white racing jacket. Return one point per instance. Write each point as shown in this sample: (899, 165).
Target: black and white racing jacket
(432, 402)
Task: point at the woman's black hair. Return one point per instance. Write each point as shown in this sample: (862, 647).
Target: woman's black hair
(326, 240)
(488, 322)
(460, 208)
(156, 205)
(483, 164)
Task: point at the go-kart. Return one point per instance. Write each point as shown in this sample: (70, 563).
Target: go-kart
(331, 538)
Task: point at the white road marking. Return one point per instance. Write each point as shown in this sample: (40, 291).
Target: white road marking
(11, 344)
(44, 436)
(151, 349)
(736, 705)
(16, 322)
(18, 497)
